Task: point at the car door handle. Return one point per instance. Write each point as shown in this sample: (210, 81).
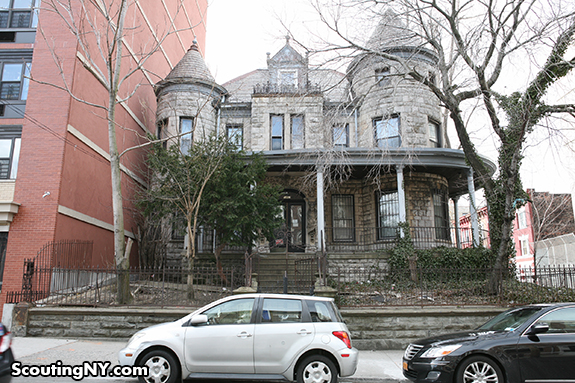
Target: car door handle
(244, 334)
(303, 331)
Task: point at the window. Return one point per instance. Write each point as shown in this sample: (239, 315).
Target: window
(14, 84)
(387, 214)
(3, 243)
(441, 215)
(521, 218)
(342, 206)
(277, 122)
(9, 154)
(524, 243)
(321, 312)
(434, 134)
(238, 311)
(387, 132)
(288, 78)
(432, 78)
(341, 136)
(281, 311)
(19, 13)
(161, 129)
(297, 132)
(235, 135)
(382, 76)
(186, 134)
(560, 321)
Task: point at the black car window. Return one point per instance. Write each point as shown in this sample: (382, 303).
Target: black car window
(238, 311)
(559, 321)
(510, 320)
(281, 310)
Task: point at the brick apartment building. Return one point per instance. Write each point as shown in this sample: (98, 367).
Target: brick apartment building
(54, 164)
(544, 230)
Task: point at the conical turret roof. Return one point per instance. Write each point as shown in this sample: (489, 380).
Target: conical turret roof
(192, 66)
(392, 32)
(191, 69)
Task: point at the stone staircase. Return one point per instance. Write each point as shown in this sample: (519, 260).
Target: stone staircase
(272, 270)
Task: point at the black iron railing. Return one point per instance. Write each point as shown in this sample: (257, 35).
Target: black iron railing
(277, 89)
(374, 286)
(367, 239)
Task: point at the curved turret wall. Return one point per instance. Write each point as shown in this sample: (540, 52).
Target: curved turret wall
(188, 100)
(384, 91)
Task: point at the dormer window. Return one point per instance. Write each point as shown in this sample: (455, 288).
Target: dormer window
(287, 77)
(382, 76)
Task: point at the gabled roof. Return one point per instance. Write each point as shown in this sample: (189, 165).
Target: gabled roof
(286, 54)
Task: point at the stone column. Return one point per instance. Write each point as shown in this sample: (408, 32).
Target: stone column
(473, 208)
(320, 212)
(457, 228)
(401, 196)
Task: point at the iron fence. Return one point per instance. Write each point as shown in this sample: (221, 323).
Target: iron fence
(373, 286)
(158, 287)
(367, 239)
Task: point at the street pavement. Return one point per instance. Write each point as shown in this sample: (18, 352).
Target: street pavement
(373, 366)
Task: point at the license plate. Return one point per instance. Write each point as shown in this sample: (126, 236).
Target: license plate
(405, 366)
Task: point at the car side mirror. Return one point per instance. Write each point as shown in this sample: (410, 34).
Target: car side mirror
(198, 319)
(538, 329)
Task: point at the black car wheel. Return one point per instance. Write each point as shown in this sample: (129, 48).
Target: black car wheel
(162, 367)
(316, 369)
(479, 369)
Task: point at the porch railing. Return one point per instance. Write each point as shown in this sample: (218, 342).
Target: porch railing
(367, 239)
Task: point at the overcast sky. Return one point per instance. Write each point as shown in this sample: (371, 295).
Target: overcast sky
(240, 32)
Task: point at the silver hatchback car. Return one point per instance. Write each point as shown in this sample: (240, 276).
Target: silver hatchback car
(252, 337)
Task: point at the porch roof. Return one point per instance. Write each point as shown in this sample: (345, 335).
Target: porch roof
(449, 163)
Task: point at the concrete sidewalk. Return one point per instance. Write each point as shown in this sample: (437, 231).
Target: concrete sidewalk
(373, 365)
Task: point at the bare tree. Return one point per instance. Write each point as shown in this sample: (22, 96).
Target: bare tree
(99, 27)
(474, 43)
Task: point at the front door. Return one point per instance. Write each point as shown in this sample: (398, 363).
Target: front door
(292, 232)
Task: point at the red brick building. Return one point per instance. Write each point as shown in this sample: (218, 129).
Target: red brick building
(55, 181)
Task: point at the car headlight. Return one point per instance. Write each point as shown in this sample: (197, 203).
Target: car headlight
(436, 352)
(135, 340)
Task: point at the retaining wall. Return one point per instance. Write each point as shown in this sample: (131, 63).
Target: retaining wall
(371, 329)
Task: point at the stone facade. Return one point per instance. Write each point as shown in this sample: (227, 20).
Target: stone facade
(373, 134)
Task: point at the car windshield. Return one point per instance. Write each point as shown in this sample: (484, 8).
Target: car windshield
(510, 320)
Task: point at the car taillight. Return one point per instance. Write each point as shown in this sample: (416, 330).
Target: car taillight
(5, 342)
(344, 337)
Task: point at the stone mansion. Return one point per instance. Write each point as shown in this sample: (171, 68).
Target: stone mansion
(356, 153)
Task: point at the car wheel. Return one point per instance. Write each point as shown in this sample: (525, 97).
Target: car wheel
(162, 367)
(316, 369)
(479, 369)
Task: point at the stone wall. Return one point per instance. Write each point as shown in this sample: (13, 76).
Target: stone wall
(371, 329)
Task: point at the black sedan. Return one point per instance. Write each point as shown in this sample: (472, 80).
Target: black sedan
(527, 344)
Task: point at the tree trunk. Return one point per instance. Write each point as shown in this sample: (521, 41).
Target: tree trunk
(122, 259)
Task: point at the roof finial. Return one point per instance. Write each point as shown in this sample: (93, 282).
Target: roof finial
(287, 39)
(194, 45)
